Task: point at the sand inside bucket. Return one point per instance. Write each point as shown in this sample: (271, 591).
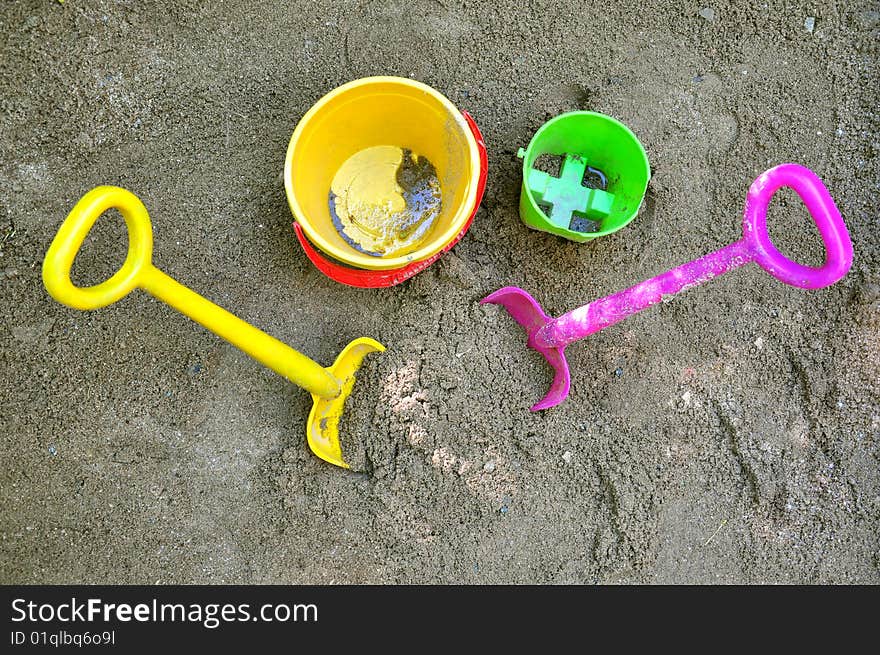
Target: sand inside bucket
(385, 200)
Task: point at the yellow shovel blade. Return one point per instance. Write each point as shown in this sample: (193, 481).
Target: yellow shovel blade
(323, 427)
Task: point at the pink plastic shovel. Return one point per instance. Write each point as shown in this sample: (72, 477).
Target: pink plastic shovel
(550, 336)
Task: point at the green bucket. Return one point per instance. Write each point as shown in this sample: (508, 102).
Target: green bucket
(601, 182)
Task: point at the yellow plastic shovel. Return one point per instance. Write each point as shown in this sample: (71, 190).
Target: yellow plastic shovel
(329, 386)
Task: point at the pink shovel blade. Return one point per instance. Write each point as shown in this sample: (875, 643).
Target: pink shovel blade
(527, 312)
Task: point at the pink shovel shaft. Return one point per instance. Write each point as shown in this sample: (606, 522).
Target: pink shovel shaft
(601, 313)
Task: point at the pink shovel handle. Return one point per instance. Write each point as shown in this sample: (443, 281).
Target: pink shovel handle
(838, 247)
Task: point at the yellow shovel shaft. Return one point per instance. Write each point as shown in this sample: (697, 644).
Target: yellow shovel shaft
(138, 271)
(266, 349)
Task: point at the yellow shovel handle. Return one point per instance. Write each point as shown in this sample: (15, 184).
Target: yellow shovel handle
(72, 233)
(138, 271)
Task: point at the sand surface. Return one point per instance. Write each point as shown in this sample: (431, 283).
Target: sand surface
(731, 435)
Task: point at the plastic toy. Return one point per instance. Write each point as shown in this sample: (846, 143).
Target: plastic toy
(329, 386)
(550, 336)
(601, 182)
(378, 113)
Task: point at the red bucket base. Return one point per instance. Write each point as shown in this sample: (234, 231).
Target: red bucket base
(364, 279)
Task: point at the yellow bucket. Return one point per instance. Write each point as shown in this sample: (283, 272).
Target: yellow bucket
(371, 112)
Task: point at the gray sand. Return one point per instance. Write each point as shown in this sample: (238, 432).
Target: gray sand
(732, 435)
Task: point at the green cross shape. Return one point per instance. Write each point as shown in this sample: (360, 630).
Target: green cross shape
(566, 195)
